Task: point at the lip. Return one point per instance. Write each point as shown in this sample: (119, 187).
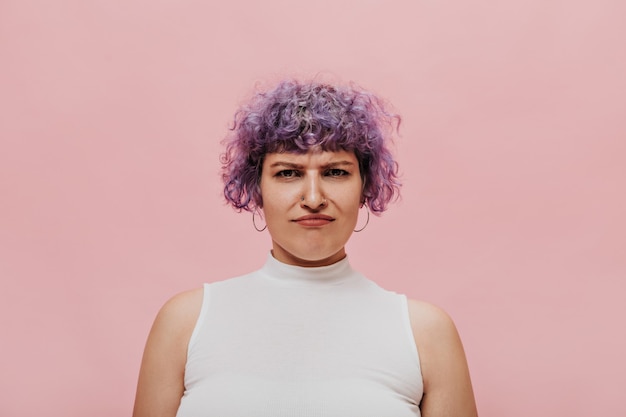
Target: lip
(314, 220)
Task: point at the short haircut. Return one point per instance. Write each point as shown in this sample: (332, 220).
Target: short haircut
(298, 116)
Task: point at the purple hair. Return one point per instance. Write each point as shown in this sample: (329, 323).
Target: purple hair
(295, 117)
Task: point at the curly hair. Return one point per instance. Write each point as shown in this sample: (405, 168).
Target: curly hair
(297, 116)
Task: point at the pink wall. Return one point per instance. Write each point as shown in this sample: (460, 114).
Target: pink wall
(513, 148)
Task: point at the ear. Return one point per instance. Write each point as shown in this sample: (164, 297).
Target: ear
(363, 196)
(257, 197)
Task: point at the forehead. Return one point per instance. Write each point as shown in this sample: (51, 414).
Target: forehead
(312, 158)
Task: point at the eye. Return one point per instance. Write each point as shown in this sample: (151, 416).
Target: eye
(287, 173)
(336, 172)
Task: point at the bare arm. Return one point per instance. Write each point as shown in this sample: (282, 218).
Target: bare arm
(447, 385)
(160, 385)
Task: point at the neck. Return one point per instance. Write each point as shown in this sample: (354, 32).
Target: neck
(287, 258)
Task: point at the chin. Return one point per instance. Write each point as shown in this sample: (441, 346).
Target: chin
(323, 257)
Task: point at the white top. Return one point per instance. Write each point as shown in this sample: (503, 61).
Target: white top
(293, 341)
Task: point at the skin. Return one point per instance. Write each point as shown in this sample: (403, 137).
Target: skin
(311, 205)
(297, 187)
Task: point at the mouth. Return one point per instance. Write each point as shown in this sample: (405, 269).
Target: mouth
(314, 220)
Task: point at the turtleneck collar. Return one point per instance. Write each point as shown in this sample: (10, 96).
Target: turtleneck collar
(334, 274)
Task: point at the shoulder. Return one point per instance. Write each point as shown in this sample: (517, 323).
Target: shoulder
(180, 312)
(442, 360)
(436, 337)
(160, 384)
(426, 317)
(174, 323)
(184, 302)
(434, 331)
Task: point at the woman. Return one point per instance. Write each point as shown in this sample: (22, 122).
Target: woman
(305, 335)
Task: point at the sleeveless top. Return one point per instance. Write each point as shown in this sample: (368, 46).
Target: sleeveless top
(292, 341)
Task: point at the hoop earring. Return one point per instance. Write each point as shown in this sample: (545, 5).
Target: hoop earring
(254, 221)
(367, 209)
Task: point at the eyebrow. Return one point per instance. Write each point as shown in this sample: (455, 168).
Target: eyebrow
(299, 166)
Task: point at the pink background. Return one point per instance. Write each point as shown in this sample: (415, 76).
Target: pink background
(512, 150)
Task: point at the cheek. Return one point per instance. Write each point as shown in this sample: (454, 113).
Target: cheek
(273, 208)
(356, 199)
(265, 195)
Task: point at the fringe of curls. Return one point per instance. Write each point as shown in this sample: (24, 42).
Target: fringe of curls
(297, 116)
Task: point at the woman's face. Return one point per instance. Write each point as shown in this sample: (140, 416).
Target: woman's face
(311, 204)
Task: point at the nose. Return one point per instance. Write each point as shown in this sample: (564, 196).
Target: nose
(313, 196)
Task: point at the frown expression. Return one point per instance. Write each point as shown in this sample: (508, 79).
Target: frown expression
(311, 204)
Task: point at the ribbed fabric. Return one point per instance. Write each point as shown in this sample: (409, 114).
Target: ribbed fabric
(288, 341)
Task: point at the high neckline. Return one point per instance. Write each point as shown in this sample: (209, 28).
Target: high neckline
(334, 274)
